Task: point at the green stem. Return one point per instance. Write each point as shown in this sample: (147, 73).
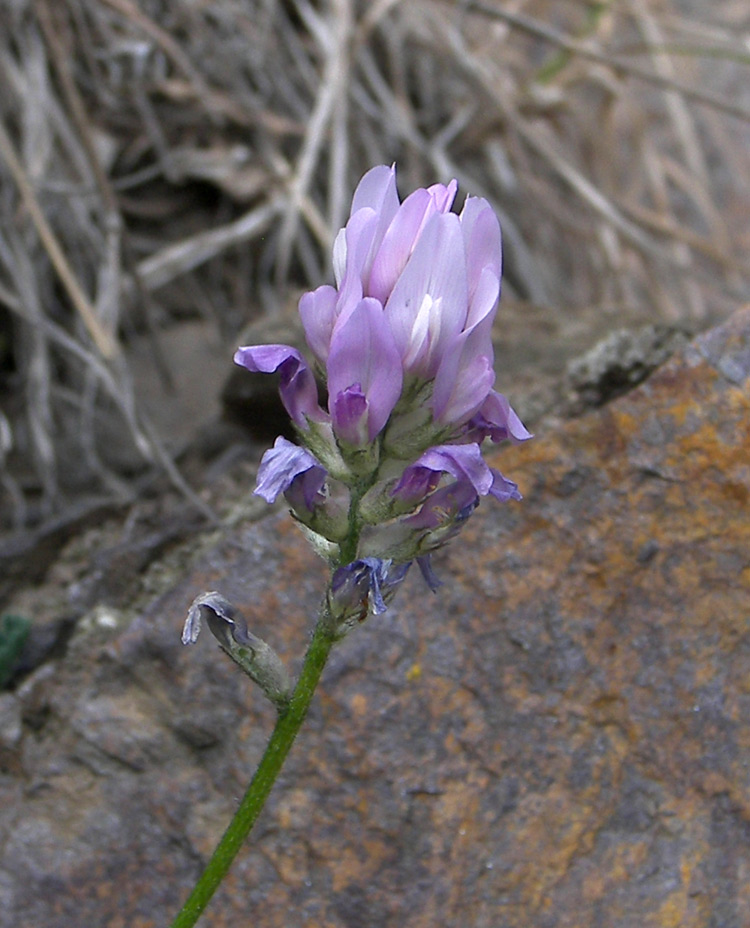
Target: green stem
(288, 724)
(349, 547)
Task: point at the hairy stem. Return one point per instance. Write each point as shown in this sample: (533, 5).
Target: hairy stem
(288, 724)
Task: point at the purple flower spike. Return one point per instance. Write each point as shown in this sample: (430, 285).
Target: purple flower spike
(403, 341)
(299, 392)
(364, 374)
(284, 464)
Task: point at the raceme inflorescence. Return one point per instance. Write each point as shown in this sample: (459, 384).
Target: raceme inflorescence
(389, 466)
(392, 466)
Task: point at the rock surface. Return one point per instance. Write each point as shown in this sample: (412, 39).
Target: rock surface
(558, 738)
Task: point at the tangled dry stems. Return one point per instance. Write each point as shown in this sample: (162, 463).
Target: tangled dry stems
(158, 156)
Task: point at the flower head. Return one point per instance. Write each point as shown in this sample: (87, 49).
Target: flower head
(403, 342)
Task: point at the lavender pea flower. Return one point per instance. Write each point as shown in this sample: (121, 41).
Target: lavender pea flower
(286, 465)
(393, 466)
(299, 392)
(364, 374)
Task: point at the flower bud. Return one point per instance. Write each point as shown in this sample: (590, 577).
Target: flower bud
(365, 586)
(258, 659)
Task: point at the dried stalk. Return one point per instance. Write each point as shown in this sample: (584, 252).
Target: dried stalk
(620, 66)
(78, 298)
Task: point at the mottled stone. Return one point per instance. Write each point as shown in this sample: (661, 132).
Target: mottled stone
(557, 739)
(620, 362)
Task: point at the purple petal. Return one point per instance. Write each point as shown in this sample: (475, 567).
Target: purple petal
(464, 462)
(265, 359)
(374, 205)
(483, 240)
(497, 420)
(339, 256)
(348, 410)
(443, 196)
(453, 503)
(378, 574)
(306, 490)
(415, 484)
(502, 488)
(363, 362)
(483, 300)
(318, 313)
(284, 463)
(430, 577)
(397, 245)
(299, 392)
(364, 584)
(402, 234)
(351, 252)
(428, 306)
(377, 189)
(464, 378)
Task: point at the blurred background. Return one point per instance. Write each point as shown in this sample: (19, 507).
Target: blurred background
(174, 170)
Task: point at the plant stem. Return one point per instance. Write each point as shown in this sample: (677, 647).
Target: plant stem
(287, 725)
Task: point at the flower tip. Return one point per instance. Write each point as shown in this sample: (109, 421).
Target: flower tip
(192, 627)
(217, 605)
(517, 431)
(503, 489)
(239, 357)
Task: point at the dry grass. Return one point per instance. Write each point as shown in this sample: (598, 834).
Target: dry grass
(168, 158)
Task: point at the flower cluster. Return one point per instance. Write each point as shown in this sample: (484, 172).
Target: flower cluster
(393, 466)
